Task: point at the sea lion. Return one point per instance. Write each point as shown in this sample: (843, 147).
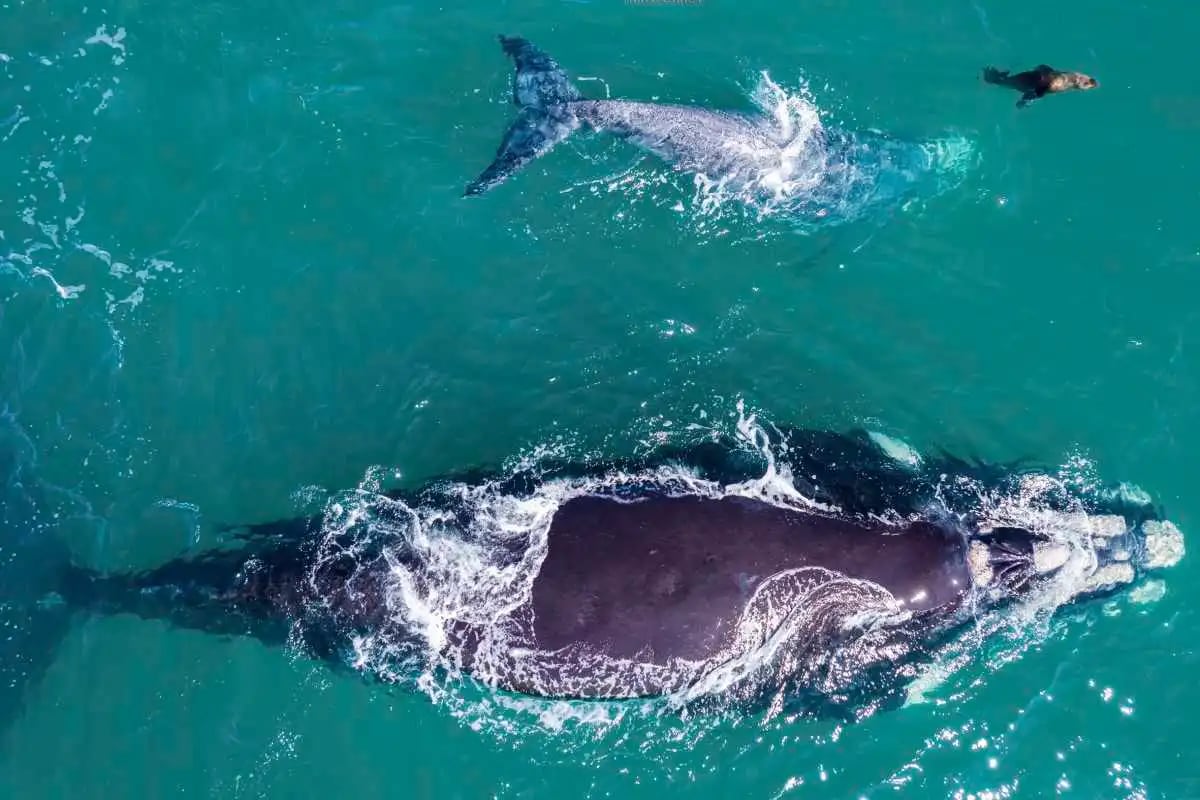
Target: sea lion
(664, 575)
(1039, 81)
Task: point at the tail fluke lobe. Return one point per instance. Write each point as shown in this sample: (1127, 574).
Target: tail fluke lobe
(538, 82)
(532, 134)
(29, 638)
(33, 621)
(543, 93)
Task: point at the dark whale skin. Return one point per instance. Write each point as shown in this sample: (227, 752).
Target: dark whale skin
(668, 577)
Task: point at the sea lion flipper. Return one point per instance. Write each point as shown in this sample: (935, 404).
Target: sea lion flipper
(1028, 98)
(996, 76)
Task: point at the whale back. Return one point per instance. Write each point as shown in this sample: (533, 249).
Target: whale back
(713, 141)
(669, 577)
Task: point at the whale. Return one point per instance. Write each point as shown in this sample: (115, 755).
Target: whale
(799, 167)
(681, 573)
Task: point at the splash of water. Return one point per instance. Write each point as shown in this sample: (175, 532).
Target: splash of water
(812, 176)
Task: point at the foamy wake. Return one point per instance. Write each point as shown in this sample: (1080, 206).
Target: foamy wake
(48, 246)
(479, 550)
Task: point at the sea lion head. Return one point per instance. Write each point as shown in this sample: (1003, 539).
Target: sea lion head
(1065, 81)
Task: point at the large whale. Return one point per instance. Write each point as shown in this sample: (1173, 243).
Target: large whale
(681, 573)
(794, 165)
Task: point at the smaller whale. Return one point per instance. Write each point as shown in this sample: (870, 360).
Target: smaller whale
(1039, 82)
(801, 166)
(665, 575)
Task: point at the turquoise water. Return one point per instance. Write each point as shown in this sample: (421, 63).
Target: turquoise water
(237, 267)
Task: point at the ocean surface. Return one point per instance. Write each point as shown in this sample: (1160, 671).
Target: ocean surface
(237, 274)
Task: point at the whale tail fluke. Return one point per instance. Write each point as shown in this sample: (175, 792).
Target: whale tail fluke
(33, 628)
(543, 93)
(32, 555)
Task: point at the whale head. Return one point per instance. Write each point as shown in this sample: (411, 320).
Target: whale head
(1082, 554)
